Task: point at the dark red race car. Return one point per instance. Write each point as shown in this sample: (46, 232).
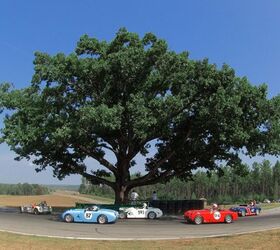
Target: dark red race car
(210, 216)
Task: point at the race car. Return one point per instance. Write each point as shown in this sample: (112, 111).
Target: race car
(210, 216)
(91, 214)
(41, 208)
(145, 211)
(246, 210)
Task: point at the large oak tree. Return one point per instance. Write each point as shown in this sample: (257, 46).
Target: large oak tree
(132, 97)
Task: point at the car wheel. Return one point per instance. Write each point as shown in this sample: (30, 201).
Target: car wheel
(68, 218)
(152, 215)
(36, 211)
(228, 219)
(122, 215)
(198, 220)
(243, 213)
(102, 219)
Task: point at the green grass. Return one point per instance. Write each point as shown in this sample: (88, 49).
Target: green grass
(264, 240)
(266, 206)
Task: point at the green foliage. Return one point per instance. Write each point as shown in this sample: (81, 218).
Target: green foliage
(128, 95)
(53, 187)
(226, 189)
(23, 189)
(98, 190)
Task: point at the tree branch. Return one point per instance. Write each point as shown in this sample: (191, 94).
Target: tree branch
(100, 159)
(153, 172)
(81, 169)
(97, 180)
(164, 175)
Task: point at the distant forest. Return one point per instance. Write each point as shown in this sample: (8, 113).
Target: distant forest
(241, 184)
(63, 187)
(23, 189)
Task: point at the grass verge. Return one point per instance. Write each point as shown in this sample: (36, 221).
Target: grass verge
(264, 240)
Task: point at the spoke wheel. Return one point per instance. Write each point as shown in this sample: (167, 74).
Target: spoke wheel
(152, 215)
(198, 220)
(122, 215)
(102, 219)
(68, 218)
(228, 219)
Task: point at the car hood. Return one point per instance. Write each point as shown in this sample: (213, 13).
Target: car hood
(76, 210)
(198, 211)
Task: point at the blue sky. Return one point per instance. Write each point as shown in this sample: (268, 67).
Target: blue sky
(243, 34)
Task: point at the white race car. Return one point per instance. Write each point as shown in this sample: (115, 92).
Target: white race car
(143, 212)
(41, 208)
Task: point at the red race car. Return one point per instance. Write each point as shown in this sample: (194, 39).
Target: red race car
(210, 216)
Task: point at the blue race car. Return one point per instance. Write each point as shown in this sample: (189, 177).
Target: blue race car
(246, 210)
(92, 214)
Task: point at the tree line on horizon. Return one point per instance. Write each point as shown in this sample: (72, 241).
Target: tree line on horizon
(23, 189)
(256, 182)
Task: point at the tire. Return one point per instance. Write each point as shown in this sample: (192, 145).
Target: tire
(228, 219)
(102, 219)
(36, 211)
(198, 220)
(152, 215)
(122, 215)
(243, 213)
(68, 218)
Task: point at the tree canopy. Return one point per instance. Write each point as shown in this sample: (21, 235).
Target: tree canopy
(134, 96)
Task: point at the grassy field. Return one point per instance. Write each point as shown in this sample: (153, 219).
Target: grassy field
(265, 240)
(59, 198)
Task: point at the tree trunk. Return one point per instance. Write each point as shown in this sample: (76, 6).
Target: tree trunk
(121, 195)
(121, 189)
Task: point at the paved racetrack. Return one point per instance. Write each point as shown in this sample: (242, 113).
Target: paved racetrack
(164, 228)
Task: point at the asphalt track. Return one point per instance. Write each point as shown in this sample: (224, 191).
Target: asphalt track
(132, 229)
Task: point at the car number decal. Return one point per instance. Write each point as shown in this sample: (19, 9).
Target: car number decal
(88, 215)
(140, 212)
(217, 215)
